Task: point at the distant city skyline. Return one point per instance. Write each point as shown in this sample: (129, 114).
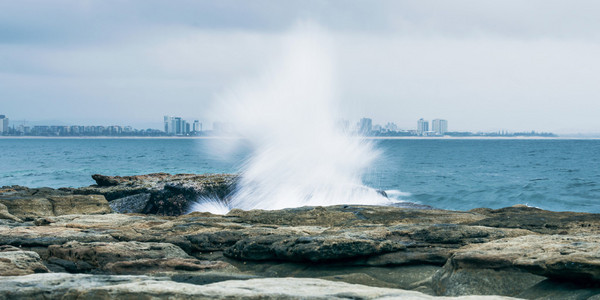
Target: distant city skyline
(177, 126)
(500, 65)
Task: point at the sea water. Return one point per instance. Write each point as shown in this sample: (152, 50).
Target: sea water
(554, 174)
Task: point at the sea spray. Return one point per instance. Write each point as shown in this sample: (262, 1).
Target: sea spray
(300, 156)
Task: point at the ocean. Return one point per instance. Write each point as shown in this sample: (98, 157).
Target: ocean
(458, 174)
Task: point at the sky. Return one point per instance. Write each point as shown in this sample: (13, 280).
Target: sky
(481, 65)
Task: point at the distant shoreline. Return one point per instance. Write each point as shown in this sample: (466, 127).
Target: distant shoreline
(229, 138)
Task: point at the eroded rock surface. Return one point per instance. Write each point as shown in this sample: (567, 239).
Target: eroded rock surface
(517, 251)
(14, 262)
(566, 257)
(159, 193)
(23, 203)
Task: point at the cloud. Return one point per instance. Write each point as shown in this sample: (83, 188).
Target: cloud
(481, 64)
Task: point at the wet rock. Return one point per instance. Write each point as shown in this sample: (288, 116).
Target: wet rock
(14, 262)
(553, 289)
(130, 204)
(453, 281)
(79, 286)
(170, 195)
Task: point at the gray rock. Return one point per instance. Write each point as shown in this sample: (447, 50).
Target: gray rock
(452, 281)
(565, 257)
(170, 194)
(130, 204)
(77, 286)
(551, 289)
(307, 248)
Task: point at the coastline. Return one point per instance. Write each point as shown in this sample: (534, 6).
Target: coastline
(235, 138)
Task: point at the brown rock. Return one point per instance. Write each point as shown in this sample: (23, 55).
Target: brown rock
(149, 266)
(4, 214)
(17, 263)
(30, 207)
(99, 255)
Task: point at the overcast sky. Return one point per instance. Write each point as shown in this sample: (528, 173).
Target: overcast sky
(482, 65)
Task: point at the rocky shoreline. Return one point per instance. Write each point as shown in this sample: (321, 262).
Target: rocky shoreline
(129, 236)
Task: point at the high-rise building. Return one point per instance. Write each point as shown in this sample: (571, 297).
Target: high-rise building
(167, 124)
(392, 127)
(3, 124)
(197, 126)
(176, 125)
(365, 126)
(422, 127)
(439, 126)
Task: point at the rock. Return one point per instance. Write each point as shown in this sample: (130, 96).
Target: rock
(453, 281)
(78, 286)
(101, 255)
(345, 215)
(380, 245)
(103, 181)
(130, 204)
(4, 214)
(14, 262)
(552, 289)
(59, 285)
(200, 278)
(307, 248)
(170, 195)
(44, 236)
(564, 257)
(432, 251)
(29, 204)
(539, 220)
(162, 265)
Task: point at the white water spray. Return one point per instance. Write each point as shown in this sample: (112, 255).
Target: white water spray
(300, 157)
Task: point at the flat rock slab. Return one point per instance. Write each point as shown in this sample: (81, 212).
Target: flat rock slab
(33, 206)
(307, 248)
(44, 236)
(346, 215)
(539, 220)
(100, 255)
(566, 257)
(164, 265)
(78, 286)
(16, 263)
